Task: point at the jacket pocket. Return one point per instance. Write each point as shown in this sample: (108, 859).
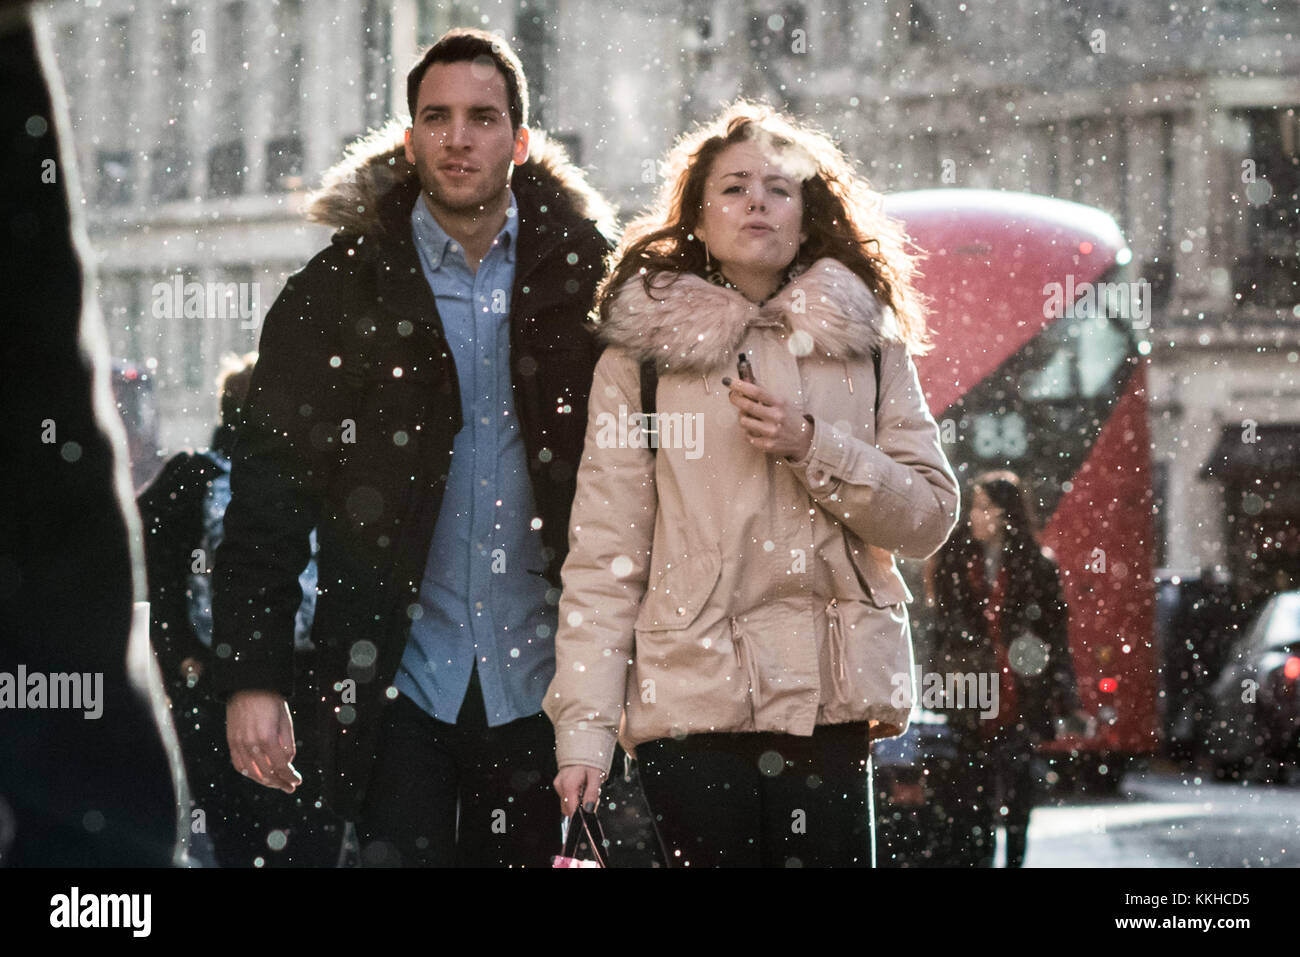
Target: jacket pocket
(877, 572)
(681, 590)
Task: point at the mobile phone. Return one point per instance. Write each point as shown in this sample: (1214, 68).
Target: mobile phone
(744, 369)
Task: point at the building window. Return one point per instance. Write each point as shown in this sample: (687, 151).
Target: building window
(772, 32)
(284, 163)
(378, 25)
(226, 169)
(114, 159)
(284, 154)
(116, 177)
(118, 75)
(1267, 271)
(920, 26)
(120, 303)
(535, 46)
(227, 160)
(170, 160)
(1155, 263)
(169, 173)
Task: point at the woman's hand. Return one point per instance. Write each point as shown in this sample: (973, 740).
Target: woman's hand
(771, 424)
(578, 783)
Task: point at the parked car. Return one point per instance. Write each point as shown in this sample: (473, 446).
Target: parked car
(1256, 726)
(1195, 615)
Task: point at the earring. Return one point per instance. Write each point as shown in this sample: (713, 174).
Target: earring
(708, 260)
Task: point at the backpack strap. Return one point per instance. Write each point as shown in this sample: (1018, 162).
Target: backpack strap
(875, 364)
(649, 392)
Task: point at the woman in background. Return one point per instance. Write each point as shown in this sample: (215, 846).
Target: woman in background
(999, 607)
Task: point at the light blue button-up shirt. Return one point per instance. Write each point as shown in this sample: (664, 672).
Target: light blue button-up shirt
(483, 596)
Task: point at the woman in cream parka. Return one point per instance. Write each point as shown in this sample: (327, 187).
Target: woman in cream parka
(731, 605)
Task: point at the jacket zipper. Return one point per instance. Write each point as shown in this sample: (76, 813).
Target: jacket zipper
(746, 662)
(835, 642)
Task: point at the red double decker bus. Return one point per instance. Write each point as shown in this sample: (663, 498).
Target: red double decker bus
(1040, 367)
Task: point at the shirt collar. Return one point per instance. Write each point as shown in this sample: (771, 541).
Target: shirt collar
(435, 243)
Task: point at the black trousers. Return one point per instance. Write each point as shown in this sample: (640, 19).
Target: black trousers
(762, 799)
(463, 794)
(1011, 757)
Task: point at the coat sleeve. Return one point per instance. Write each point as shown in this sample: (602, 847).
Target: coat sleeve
(899, 494)
(276, 482)
(605, 575)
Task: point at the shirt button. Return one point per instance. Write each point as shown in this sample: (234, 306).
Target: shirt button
(681, 611)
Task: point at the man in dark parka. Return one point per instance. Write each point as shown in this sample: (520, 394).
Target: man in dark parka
(355, 406)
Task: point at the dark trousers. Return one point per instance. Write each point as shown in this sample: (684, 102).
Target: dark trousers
(463, 794)
(1011, 756)
(762, 799)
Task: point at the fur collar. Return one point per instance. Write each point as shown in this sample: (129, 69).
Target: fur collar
(691, 325)
(371, 190)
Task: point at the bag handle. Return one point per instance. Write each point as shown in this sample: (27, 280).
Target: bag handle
(582, 824)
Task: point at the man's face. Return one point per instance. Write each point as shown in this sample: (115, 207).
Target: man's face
(460, 141)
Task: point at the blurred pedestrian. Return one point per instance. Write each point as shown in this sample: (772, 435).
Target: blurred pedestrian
(999, 608)
(183, 510)
(731, 600)
(74, 792)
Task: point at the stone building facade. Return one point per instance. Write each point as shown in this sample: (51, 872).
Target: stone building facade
(199, 126)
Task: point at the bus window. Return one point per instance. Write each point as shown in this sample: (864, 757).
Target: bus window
(1084, 353)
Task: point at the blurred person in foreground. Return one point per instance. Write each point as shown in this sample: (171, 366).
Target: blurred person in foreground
(90, 785)
(182, 510)
(731, 602)
(999, 608)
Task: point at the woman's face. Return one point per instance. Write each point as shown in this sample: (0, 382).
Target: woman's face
(987, 521)
(753, 211)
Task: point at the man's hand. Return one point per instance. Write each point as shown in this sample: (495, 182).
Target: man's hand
(770, 424)
(578, 782)
(259, 730)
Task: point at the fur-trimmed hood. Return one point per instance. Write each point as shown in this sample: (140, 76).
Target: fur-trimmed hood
(689, 324)
(370, 191)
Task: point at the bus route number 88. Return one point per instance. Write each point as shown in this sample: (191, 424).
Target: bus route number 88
(1000, 436)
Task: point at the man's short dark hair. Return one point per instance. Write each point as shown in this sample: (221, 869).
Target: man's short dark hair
(465, 44)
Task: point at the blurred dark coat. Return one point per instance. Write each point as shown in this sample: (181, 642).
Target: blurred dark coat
(171, 511)
(1032, 604)
(73, 792)
(336, 438)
